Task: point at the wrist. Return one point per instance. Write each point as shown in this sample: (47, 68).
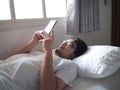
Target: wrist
(33, 42)
(48, 53)
(47, 50)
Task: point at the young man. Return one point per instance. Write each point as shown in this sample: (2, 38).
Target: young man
(69, 49)
(54, 72)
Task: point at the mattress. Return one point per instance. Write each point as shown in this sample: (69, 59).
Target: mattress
(109, 83)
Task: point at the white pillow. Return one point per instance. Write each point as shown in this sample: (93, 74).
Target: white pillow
(99, 61)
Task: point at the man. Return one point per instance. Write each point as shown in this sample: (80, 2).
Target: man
(54, 73)
(69, 49)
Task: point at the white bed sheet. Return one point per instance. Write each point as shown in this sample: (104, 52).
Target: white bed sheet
(109, 83)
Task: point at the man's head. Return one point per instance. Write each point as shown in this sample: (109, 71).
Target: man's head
(71, 48)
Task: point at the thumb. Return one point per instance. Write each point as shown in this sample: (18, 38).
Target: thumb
(40, 41)
(52, 34)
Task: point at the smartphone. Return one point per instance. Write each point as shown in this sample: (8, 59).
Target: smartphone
(50, 26)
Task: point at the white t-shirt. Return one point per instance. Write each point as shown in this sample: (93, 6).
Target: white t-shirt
(23, 70)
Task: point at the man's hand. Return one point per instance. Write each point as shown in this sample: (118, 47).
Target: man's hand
(37, 37)
(48, 42)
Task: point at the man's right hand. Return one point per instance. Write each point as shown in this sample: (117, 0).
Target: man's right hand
(37, 36)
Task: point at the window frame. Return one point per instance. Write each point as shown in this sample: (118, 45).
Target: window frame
(13, 16)
(34, 23)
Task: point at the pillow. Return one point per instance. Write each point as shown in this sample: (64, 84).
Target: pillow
(99, 61)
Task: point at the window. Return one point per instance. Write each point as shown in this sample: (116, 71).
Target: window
(55, 8)
(4, 10)
(30, 9)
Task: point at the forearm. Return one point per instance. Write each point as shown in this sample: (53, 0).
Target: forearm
(47, 77)
(28, 47)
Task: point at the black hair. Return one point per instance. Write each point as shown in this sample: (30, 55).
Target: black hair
(81, 47)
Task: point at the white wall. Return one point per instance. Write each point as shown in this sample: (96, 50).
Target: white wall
(14, 35)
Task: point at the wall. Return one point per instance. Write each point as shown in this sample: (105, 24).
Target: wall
(15, 34)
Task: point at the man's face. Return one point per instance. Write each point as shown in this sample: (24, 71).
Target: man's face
(66, 49)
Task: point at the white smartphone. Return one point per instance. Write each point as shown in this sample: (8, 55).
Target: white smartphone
(50, 26)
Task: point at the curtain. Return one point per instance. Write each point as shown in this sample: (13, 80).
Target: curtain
(115, 33)
(82, 16)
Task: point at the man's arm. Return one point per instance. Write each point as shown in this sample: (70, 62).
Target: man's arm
(28, 47)
(47, 77)
(32, 43)
(48, 80)
(60, 84)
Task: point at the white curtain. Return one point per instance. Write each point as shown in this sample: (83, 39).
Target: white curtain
(82, 16)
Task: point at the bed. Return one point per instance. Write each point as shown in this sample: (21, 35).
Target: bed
(109, 83)
(98, 69)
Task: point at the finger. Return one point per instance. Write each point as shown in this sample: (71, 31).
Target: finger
(44, 35)
(38, 36)
(40, 41)
(52, 34)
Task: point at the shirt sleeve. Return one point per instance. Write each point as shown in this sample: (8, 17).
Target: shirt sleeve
(67, 71)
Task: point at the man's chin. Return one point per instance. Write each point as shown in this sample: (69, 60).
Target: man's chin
(58, 52)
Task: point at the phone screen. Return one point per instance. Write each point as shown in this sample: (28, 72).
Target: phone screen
(50, 26)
